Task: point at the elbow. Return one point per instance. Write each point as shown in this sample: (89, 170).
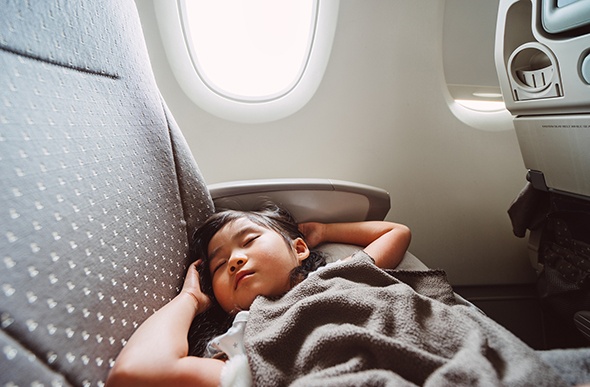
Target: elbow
(407, 233)
(125, 374)
(402, 234)
(119, 376)
(402, 239)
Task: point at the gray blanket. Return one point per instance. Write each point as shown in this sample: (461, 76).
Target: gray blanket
(353, 324)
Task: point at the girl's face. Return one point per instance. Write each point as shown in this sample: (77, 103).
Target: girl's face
(247, 260)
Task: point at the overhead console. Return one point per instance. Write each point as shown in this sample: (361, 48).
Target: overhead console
(543, 62)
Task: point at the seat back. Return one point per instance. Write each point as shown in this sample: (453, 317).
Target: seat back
(99, 192)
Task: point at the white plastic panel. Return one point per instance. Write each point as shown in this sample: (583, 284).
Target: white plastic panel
(564, 17)
(321, 200)
(545, 79)
(558, 147)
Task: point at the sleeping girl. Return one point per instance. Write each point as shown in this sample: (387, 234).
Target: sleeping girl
(243, 255)
(347, 323)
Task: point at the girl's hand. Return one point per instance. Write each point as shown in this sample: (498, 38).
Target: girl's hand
(192, 286)
(157, 353)
(313, 232)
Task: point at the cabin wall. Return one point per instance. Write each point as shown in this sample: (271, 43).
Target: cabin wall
(380, 117)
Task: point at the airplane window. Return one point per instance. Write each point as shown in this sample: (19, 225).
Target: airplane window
(474, 94)
(252, 50)
(254, 61)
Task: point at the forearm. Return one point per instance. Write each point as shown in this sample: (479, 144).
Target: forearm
(389, 249)
(356, 233)
(157, 352)
(386, 242)
(165, 331)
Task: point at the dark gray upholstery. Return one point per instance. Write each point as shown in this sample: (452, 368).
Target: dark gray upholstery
(98, 192)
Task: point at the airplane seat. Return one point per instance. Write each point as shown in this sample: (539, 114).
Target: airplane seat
(542, 55)
(99, 191)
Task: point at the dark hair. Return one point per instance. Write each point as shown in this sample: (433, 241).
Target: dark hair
(270, 216)
(215, 320)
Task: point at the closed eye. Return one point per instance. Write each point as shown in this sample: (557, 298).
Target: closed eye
(219, 265)
(251, 239)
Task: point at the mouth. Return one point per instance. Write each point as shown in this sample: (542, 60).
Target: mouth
(240, 276)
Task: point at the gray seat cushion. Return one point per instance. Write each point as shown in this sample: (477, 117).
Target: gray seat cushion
(99, 192)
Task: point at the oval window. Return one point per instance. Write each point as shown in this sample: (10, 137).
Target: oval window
(248, 61)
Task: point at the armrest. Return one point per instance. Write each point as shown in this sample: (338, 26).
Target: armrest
(320, 200)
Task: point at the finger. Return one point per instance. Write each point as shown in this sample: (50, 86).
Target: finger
(198, 264)
(303, 228)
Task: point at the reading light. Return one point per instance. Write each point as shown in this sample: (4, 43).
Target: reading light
(487, 95)
(482, 106)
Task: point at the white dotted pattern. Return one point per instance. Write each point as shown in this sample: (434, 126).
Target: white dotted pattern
(94, 215)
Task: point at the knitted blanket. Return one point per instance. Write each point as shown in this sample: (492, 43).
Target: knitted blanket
(354, 324)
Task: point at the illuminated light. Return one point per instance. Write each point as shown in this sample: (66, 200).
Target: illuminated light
(482, 106)
(487, 95)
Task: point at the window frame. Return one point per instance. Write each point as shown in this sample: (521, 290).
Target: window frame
(170, 22)
(456, 88)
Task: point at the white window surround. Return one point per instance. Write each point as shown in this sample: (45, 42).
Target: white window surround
(469, 72)
(491, 121)
(175, 43)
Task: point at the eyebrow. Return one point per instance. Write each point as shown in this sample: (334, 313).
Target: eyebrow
(238, 235)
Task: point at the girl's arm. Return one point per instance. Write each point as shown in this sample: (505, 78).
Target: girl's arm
(385, 242)
(156, 354)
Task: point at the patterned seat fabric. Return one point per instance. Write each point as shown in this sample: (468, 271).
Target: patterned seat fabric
(99, 192)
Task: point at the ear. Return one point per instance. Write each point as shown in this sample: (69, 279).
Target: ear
(301, 249)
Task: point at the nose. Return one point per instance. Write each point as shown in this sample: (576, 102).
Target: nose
(235, 262)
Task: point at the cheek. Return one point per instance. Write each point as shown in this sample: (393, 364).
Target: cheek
(220, 286)
(276, 251)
